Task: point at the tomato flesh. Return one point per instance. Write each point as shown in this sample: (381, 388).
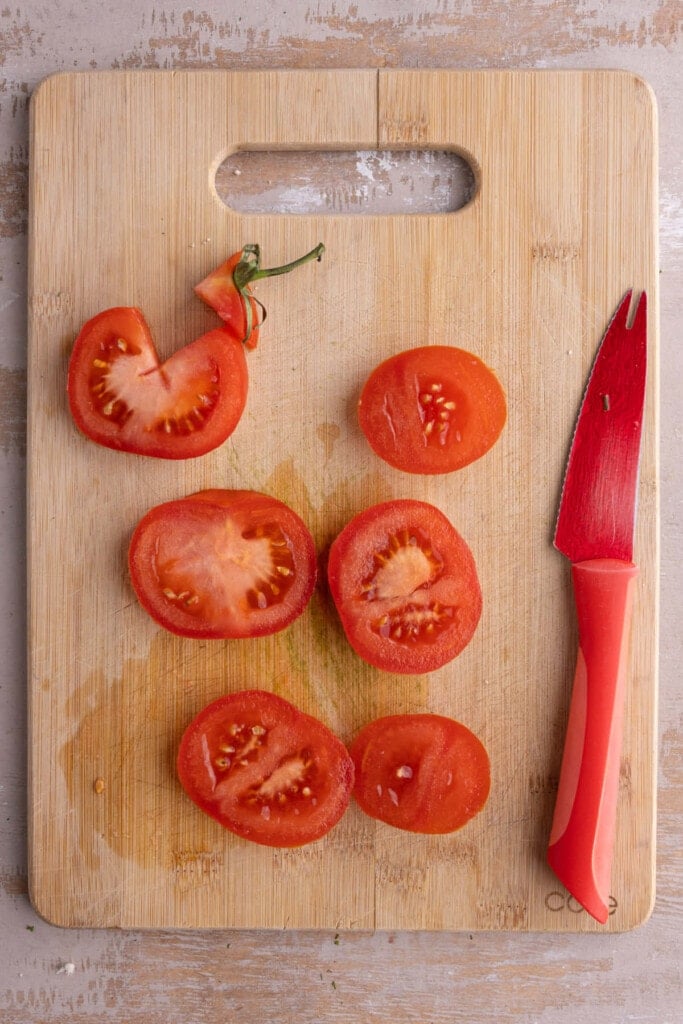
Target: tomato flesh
(218, 291)
(421, 773)
(433, 409)
(122, 397)
(223, 564)
(405, 586)
(265, 770)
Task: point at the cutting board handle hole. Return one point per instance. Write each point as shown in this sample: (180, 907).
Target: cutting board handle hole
(368, 182)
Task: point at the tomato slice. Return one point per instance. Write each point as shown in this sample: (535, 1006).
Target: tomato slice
(219, 291)
(265, 770)
(422, 773)
(122, 397)
(405, 585)
(227, 289)
(432, 409)
(223, 564)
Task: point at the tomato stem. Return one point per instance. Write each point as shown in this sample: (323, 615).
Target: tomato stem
(249, 269)
(314, 254)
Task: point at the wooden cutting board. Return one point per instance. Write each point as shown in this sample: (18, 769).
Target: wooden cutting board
(124, 212)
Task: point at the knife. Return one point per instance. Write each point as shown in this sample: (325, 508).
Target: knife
(594, 530)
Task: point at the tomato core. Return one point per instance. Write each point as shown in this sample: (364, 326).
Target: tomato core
(421, 773)
(432, 409)
(405, 585)
(265, 770)
(223, 564)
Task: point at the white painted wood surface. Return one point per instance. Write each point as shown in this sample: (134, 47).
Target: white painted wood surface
(294, 976)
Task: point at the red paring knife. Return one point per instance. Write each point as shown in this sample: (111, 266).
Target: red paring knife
(595, 531)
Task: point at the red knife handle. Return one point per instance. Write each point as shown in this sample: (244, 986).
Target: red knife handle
(582, 834)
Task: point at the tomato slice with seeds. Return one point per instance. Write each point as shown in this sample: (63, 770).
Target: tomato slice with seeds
(422, 773)
(432, 409)
(405, 585)
(265, 770)
(223, 564)
(123, 397)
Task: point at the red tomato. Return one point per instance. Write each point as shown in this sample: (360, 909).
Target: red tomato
(265, 770)
(223, 564)
(227, 289)
(432, 410)
(405, 586)
(238, 308)
(421, 773)
(122, 397)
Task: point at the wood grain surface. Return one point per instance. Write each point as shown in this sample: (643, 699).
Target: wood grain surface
(527, 280)
(49, 974)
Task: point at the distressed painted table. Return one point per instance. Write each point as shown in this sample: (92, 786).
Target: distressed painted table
(50, 974)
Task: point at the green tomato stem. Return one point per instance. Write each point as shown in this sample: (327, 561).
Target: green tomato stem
(249, 270)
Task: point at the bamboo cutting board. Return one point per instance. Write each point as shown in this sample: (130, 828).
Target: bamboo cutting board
(124, 212)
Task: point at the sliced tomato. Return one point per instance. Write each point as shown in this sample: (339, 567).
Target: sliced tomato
(227, 289)
(223, 564)
(405, 585)
(421, 773)
(265, 770)
(432, 409)
(122, 397)
(218, 290)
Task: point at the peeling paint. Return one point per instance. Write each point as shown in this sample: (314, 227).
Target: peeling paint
(12, 410)
(18, 37)
(13, 196)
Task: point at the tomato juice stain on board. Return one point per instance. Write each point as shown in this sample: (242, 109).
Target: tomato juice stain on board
(328, 434)
(341, 685)
(127, 729)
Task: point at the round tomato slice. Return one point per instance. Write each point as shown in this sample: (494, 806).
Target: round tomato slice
(265, 770)
(122, 397)
(223, 564)
(405, 585)
(421, 773)
(432, 409)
